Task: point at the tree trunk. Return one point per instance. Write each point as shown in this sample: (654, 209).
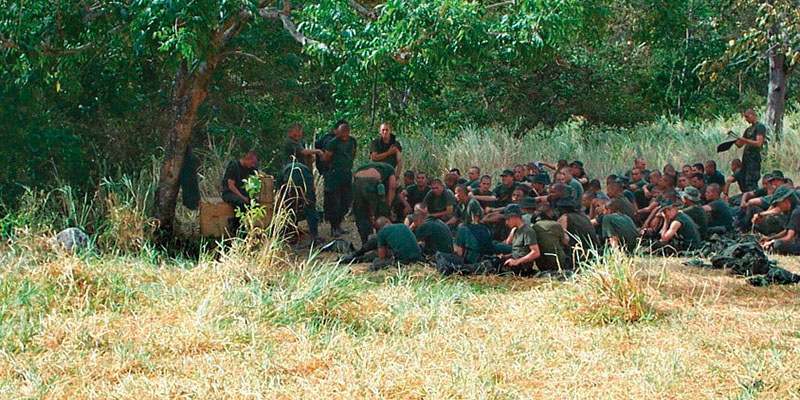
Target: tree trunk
(189, 92)
(776, 95)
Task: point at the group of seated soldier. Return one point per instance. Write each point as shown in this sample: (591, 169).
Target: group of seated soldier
(538, 218)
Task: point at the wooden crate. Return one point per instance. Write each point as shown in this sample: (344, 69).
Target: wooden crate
(214, 215)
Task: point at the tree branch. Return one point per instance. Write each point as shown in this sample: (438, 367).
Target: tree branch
(364, 11)
(243, 54)
(6, 43)
(500, 4)
(288, 24)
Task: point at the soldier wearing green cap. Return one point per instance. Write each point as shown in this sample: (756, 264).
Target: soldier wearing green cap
(503, 191)
(774, 219)
(787, 240)
(678, 233)
(523, 242)
(694, 209)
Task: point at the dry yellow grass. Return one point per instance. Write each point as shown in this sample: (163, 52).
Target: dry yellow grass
(125, 328)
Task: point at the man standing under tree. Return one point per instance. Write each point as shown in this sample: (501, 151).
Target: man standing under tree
(752, 141)
(293, 149)
(340, 153)
(386, 149)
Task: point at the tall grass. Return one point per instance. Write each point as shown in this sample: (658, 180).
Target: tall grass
(604, 150)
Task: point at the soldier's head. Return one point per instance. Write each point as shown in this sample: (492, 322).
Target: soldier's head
(295, 131)
(422, 179)
(381, 223)
(736, 165)
(640, 164)
(711, 167)
(249, 160)
(437, 187)
(587, 198)
(417, 219)
(669, 169)
(750, 116)
(614, 189)
(517, 195)
(507, 177)
(667, 182)
(485, 183)
(344, 130)
(408, 178)
(456, 171)
(686, 170)
(385, 130)
(655, 178)
(557, 191)
(462, 193)
(560, 177)
(683, 181)
(567, 171)
(474, 173)
(713, 191)
(451, 180)
(698, 168)
(698, 181)
(636, 175)
(519, 173)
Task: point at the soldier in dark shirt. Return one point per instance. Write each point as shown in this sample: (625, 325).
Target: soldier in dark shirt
(386, 149)
(237, 171)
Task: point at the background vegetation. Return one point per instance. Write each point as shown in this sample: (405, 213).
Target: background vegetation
(89, 88)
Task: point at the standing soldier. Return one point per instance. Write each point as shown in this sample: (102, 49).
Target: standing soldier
(293, 148)
(296, 183)
(374, 188)
(752, 141)
(386, 149)
(340, 153)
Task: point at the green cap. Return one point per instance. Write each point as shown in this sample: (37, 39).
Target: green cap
(691, 193)
(566, 202)
(776, 174)
(507, 172)
(512, 210)
(782, 193)
(527, 202)
(666, 203)
(540, 178)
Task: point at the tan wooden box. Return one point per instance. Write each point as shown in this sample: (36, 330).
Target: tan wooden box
(214, 212)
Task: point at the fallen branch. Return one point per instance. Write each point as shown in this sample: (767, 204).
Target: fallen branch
(289, 25)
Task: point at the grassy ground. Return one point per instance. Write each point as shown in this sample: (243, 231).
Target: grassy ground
(252, 320)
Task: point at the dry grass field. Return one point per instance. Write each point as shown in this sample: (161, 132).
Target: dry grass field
(129, 327)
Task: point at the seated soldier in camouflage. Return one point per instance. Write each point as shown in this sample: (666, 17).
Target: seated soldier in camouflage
(769, 223)
(753, 202)
(416, 193)
(396, 244)
(787, 241)
(720, 215)
(450, 181)
(440, 201)
(374, 188)
(522, 241)
(551, 238)
(678, 232)
(781, 204)
(296, 188)
(693, 208)
(432, 234)
(581, 235)
(472, 244)
(483, 193)
(615, 194)
(474, 175)
(503, 191)
(401, 206)
(618, 230)
(466, 207)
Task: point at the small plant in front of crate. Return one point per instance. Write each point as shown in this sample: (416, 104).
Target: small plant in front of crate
(254, 212)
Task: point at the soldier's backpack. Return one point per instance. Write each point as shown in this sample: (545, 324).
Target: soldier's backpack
(745, 259)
